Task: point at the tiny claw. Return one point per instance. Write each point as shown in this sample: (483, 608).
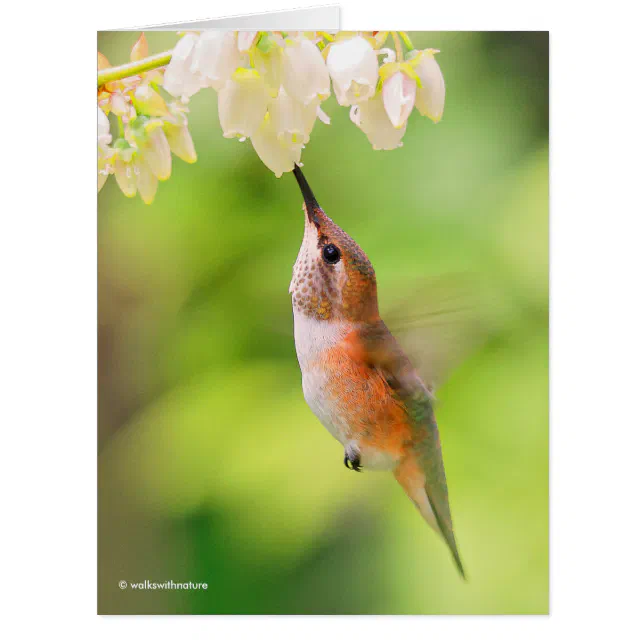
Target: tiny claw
(353, 463)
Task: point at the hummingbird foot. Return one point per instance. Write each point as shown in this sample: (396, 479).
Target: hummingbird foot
(352, 459)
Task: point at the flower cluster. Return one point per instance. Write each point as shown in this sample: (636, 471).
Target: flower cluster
(270, 87)
(150, 129)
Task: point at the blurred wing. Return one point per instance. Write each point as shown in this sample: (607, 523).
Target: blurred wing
(440, 322)
(383, 352)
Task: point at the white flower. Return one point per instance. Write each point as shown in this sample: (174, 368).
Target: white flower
(270, 65)
(105, 153)
(270, 86)
(178, 135)
(353, 66)
(124, 169)
(430, 97)
(246, 40)
(399, 95)
(156, 151)
(373, 120)
(323, 116)
(147, 135)
(104, 136)
(119, 101)
(179, 79)
(133, 173)
(216, 57)
(147, 101)
(146, 182)
(242, 104)
(104, 170)
(276, 154)
(305, 75)
(292, 121)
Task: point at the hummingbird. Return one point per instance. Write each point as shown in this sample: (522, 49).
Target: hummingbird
(356, 378)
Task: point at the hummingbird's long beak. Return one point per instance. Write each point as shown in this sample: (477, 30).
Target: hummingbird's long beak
(310, 202)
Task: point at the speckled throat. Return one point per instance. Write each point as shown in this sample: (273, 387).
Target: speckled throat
(345, 290)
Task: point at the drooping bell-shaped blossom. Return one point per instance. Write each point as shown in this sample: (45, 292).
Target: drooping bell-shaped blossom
(242, 104)
(180, 142)
(105, 153)
(176, 131)
(277, 154)
(104, 169)
(133, 173)
(269, 61)
(430, 96)
(372, 118)
(306, 77)
(146, 181)
(398, 97)
(103, 128)
(292, 120)
(157, 154)
(270, 88)
(216, 57)
(124, 167)
(148, 136)
(179, 79)
(353, 66)
(149, 102)
(116, 99)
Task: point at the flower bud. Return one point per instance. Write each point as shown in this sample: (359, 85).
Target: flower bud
(430, 97)
(305, 75)
(242, 104)
(140, 49)
(353, 66)
(103, 63)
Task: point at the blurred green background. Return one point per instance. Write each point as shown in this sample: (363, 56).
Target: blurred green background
(211, 466)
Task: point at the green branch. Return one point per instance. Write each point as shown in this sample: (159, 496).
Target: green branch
(133, 69)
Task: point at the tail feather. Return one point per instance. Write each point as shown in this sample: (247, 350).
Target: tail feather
(430, 500)
(446, 531)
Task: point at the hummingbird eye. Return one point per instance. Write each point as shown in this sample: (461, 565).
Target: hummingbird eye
(331, 254)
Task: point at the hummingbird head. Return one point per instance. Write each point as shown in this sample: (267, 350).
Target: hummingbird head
(332, 278)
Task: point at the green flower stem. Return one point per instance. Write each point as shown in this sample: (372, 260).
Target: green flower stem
(133, 69)
(407, 40)
(399, 50)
